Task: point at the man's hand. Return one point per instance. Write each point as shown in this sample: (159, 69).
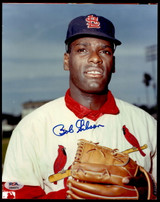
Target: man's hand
(140, 183)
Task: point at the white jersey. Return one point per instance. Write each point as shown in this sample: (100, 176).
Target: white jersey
(34, 143)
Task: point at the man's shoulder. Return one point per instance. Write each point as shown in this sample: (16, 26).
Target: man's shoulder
(53, 103)
(51, 107)
(123, 104)
(128, 108)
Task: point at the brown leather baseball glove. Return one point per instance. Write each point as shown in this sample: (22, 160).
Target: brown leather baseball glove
(97, 173)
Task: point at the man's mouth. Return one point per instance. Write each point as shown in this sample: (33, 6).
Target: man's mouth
(94, 73)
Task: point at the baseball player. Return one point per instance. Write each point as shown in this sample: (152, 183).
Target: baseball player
(45, 141)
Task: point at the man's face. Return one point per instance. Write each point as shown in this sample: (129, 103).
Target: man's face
(90, 63)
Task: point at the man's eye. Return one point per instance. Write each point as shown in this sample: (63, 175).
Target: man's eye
(106, 52)
(81, 50)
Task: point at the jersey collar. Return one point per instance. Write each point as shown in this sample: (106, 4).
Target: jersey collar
(81, 111)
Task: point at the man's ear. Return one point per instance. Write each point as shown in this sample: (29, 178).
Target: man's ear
(113, 67)
(66, 62)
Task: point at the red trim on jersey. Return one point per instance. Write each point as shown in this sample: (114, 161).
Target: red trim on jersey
(81, 111)
(34, 192)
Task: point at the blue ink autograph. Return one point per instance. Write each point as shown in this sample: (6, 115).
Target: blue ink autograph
(80, 125)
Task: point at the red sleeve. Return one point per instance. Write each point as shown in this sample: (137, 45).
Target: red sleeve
(32, 192)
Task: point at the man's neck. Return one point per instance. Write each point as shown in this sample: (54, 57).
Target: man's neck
(92, 101)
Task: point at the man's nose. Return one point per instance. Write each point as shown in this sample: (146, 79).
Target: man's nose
(94, 58)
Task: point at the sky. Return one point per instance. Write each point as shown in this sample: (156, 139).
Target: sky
(33, 38)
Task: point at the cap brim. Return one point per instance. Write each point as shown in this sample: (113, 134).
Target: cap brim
(99, 35)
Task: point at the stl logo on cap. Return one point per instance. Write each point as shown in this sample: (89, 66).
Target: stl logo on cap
(92, 22)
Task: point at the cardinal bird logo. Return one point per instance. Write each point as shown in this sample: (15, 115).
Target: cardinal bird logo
(132, 140)
(60, 160)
